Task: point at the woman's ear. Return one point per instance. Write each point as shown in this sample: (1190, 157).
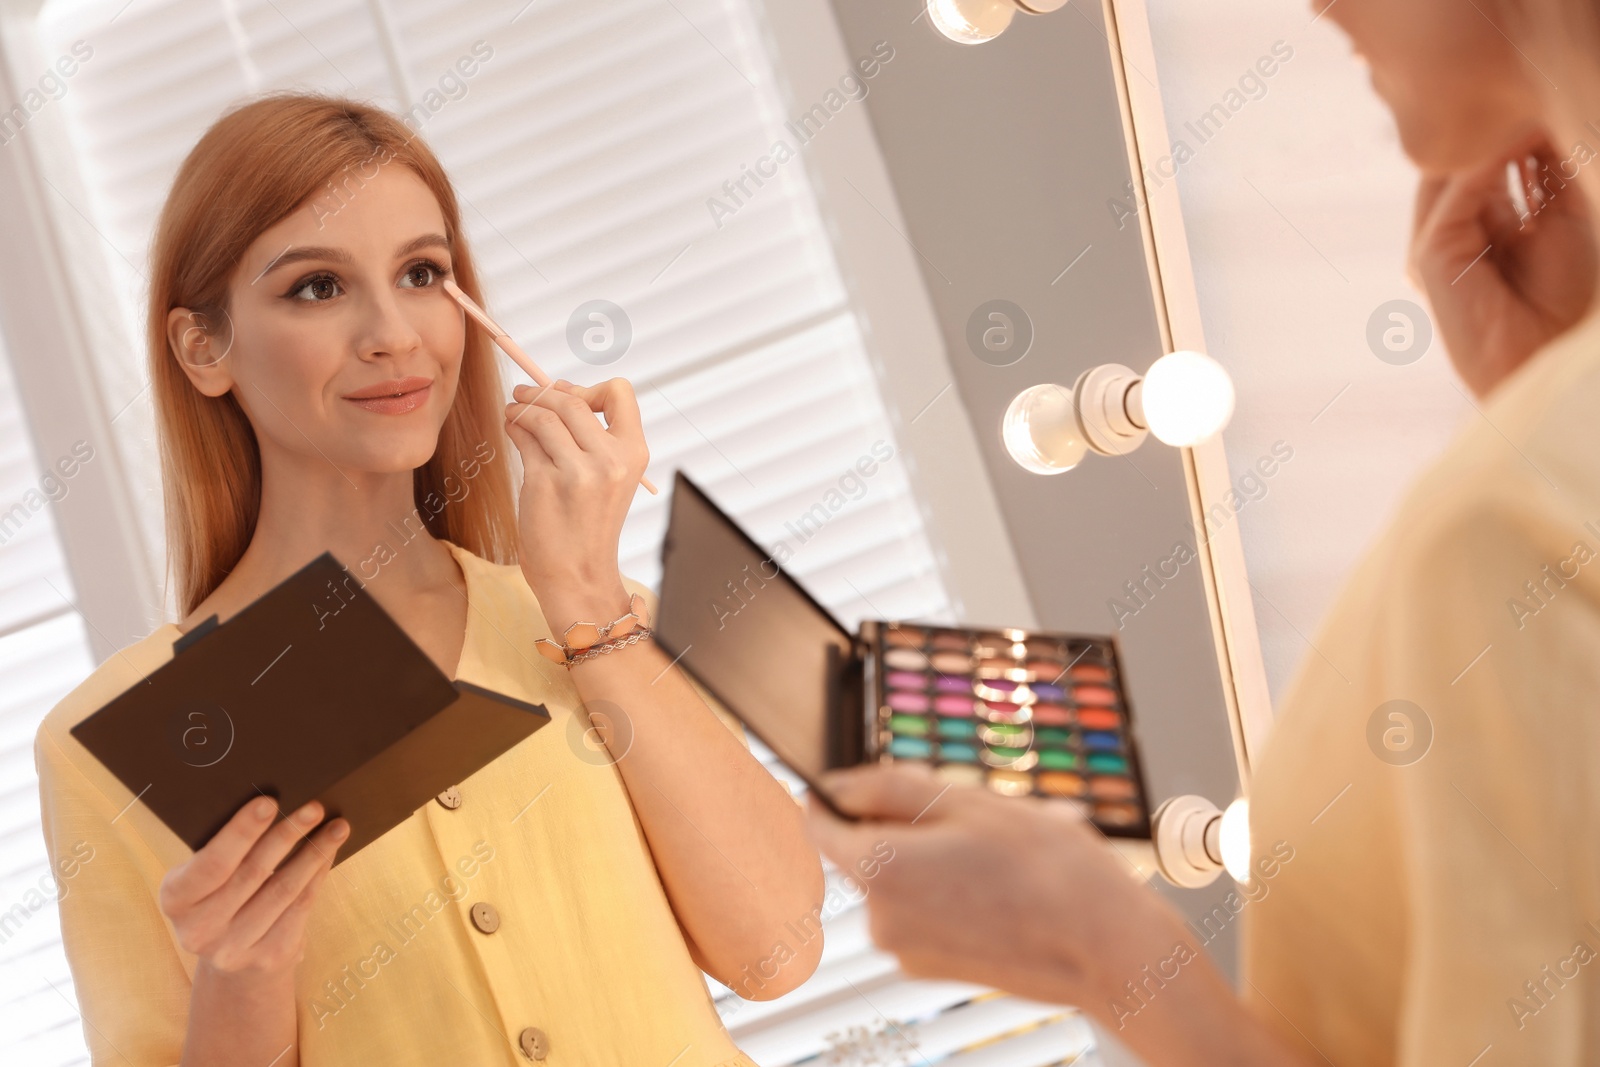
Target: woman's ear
(200, 344)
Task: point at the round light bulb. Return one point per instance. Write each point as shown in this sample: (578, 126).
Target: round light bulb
(1187, 397)
(1040, 430)
(1235, 840)
(971, 21)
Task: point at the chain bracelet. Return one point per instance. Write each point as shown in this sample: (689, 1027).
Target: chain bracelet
(605, 648)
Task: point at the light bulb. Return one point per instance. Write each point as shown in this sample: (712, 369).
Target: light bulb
(1040, 430)
(1187, 397)
(1235, 840)
(971, 21)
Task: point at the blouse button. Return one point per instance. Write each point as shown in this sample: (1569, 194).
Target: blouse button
(450, 798)
(485, 918)
(534, 1044)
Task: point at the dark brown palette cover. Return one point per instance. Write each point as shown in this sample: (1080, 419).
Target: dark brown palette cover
(312, 692)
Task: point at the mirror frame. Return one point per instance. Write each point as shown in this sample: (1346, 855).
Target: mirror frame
(1227, 585)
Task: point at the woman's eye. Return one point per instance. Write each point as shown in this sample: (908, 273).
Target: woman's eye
(421, 275)
(320, 288)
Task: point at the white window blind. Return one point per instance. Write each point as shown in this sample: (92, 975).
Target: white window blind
(44, 652)
(584, 149)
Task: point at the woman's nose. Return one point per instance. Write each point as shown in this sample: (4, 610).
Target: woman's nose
(386, 330)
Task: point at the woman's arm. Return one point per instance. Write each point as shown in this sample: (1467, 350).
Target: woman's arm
(728, 841)
(1091, 936)
(235, 905)
(241, 908)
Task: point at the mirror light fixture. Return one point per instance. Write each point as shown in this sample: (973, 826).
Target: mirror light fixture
(1194, 842)
(1184, 398)
(976, 21)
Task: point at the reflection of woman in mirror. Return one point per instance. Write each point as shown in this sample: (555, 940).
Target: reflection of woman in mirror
(1412, 903)
(316, 389)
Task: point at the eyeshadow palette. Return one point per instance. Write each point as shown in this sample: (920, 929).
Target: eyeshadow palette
(1023, 713)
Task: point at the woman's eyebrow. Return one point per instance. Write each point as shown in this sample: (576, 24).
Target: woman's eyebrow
(299, 254)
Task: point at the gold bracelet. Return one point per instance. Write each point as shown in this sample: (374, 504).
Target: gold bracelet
(582, 635)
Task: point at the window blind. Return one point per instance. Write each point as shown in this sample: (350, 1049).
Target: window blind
(44, 652)
(585, 146)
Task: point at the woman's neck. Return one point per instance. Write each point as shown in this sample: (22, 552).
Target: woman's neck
(369, 521)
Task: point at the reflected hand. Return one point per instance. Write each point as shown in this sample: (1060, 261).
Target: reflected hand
(237, 905)
(578, 482)
(1537, 277)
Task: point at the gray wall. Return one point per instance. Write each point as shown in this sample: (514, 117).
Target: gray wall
(1003, 158)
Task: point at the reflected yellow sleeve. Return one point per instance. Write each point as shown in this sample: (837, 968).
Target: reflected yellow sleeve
(132, 987)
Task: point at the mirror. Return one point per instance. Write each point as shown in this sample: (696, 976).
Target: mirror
(820, 237)
(1001, 174)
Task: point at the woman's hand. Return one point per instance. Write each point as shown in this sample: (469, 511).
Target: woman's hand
(965, 859)
(578, 482)
(1536, 275)
(240, 907)
(1025, 896)
(233, 905)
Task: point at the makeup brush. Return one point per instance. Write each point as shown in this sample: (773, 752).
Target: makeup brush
(508, 346)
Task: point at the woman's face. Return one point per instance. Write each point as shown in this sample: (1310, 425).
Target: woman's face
(338, 302)
(1460, 91)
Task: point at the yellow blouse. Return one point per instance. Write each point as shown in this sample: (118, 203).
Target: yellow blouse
(1434, 776)
(586, 967)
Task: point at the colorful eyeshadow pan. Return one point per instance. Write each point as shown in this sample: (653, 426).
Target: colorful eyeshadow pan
(910, 748)
(905, 700)
(1001, 711)
(960, 773)
(1061, 784)
(1011, 783)
(1021, 715)
(1016, 759)
(905, 659)
(1051, 715)
(1056, 759)
(1107, 788)
(1006, 733)
(1105, 763)
(1098, 719)
(1117, 814)
(908, 725)
(958, 729)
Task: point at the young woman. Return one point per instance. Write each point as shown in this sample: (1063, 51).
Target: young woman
(1425, 817)
(316, 389)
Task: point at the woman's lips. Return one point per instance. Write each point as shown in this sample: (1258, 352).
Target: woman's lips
(410, 398)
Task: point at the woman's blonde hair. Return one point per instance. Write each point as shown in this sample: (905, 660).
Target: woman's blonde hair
(254, 167)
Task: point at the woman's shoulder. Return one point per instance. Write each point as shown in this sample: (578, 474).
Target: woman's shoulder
(1527, 462)
(120, 671)
(79, 798)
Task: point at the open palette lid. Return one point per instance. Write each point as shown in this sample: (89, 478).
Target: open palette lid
(756, 639)
(1021, 712)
